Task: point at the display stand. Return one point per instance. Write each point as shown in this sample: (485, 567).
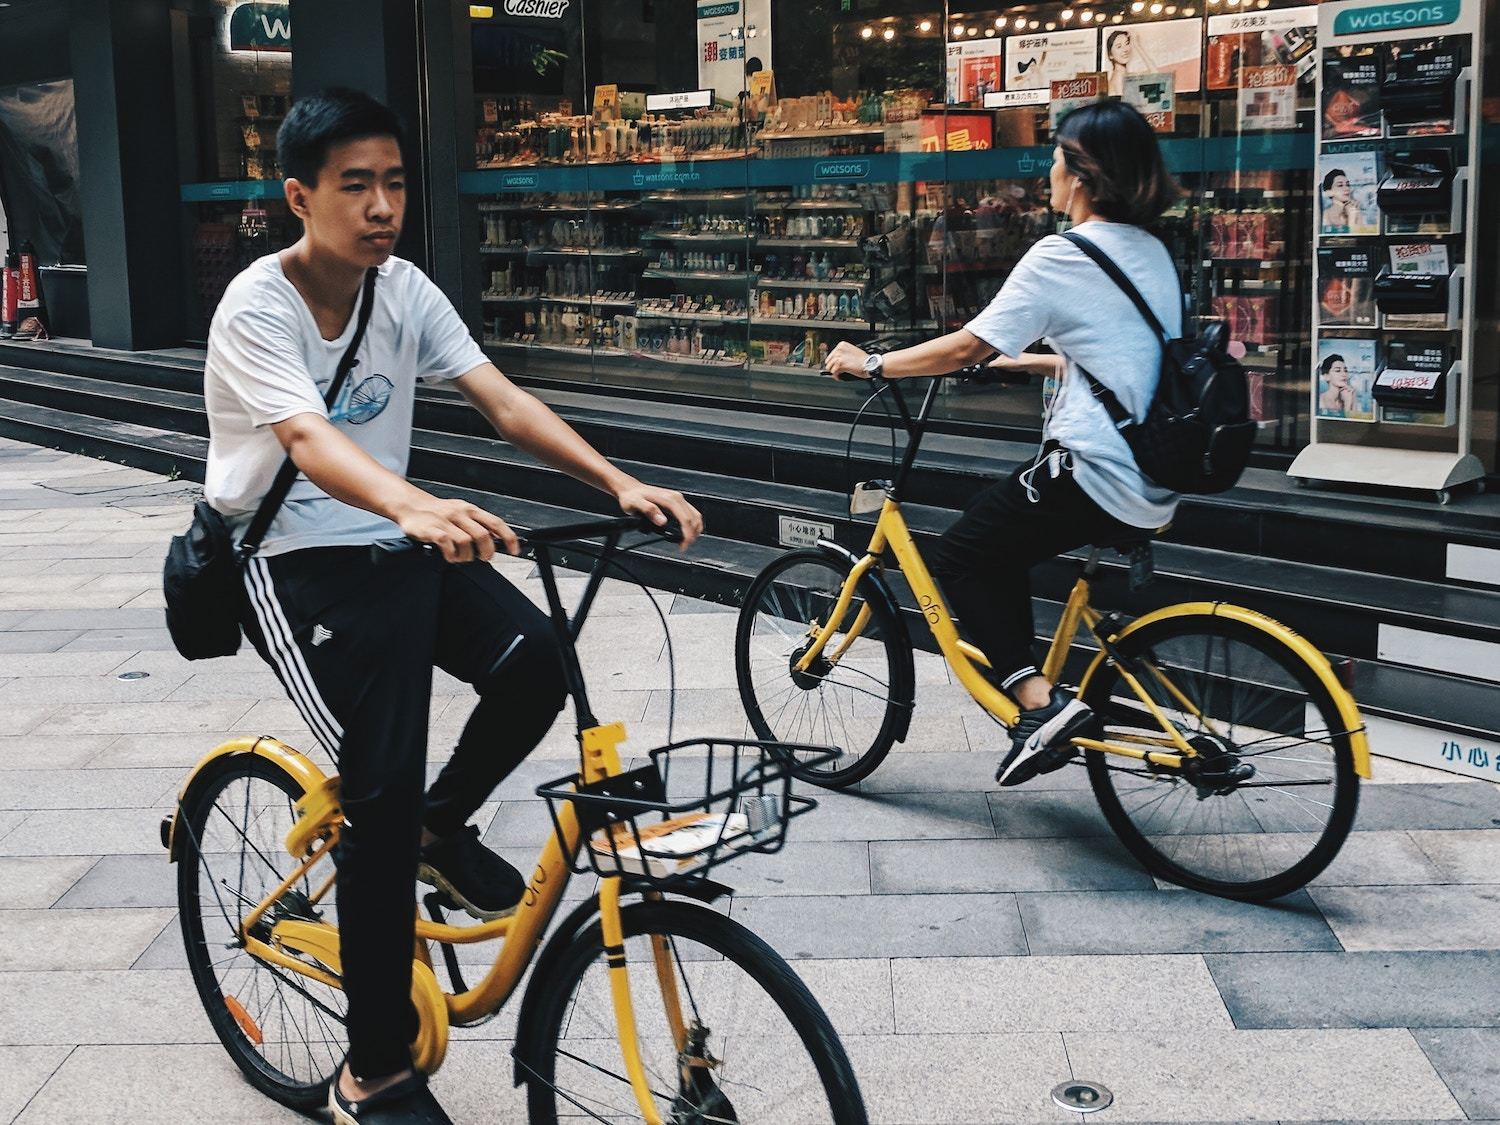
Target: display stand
(1390, 122)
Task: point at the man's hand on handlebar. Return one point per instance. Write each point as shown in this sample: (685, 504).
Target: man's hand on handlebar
(661, 505)
(846, 362)
(462, 531)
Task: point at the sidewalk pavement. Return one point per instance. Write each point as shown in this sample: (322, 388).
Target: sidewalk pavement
(974, 947)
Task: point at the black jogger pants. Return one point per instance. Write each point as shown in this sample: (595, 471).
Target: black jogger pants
(983, 562)
(354, 642)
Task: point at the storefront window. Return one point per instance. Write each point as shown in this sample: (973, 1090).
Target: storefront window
(240, 60)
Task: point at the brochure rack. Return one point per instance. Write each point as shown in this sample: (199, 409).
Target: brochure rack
(1427, 61)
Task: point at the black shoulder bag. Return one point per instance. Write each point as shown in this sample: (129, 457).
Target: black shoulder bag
(1197, 433)
(201, 577)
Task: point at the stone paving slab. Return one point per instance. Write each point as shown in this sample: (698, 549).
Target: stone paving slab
(1429, 989)
(979, 995)
(1468, 1059)
(23, 1070)
(117, 881)
(37, 882)
(76, 939)
(947, 866)
(974, 925)
(1462, 857)
(1452, 917)
(1285, 1075)
(102, 1006)
(1166, 922)
(1451, 805)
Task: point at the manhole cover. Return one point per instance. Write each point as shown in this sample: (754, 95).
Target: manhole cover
(1082, 1097)
(133, 675)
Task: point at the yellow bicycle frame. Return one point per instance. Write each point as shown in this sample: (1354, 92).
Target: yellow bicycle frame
(311, 840)
(891, 533)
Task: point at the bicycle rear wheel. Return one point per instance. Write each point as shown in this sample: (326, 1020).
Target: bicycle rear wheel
(758, 1046)
(1271, 796)
(283, 1030)
(854, 704)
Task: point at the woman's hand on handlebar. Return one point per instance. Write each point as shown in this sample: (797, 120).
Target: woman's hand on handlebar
(462, 531)
(661, 506)
(846, 362)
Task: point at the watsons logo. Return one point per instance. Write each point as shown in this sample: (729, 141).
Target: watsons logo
(709, 11)
(664, 179)
(841, 169)
(261, 27)
(513, 180)
(541, 9)
(1396, 17)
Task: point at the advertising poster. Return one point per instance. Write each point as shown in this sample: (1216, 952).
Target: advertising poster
(1347, 182)
(1034, 62)
(1345, 376)
(1152, 94)
(1172, 47)
(1351, 93)
(1346, 285)
(1238, 40)
(973, 71)
(734, 41)
(1268, 97)
(1419, 257)
(1069, 93)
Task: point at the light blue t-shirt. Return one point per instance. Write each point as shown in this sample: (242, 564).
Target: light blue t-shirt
(267, 362)
(1058, 294)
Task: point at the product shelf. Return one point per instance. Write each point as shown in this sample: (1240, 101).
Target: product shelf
(811, 283)
(802, 322)
(587, 299)
(694, 275)
(811, 243)
(704, 317)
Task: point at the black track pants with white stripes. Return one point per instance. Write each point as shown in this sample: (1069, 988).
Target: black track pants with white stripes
(354, 643)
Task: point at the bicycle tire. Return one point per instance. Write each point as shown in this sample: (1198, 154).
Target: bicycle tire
(736, 945)
(1189, 631)
(235, 1030)
(856, 762)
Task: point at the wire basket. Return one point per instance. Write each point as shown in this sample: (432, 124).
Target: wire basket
(631, 827)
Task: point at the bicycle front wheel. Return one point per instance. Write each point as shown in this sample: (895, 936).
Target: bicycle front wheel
(1270, 796)
(285, 1031)
(727, 1030)
(851, 695)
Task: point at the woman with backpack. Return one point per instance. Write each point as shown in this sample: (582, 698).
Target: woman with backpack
(1109, 181)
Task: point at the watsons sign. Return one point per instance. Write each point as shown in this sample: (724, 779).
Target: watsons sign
(540, 9)
(841, 169)
(1396, 17)
(261, 27)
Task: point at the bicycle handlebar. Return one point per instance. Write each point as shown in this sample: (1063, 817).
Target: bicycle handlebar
(560, 533)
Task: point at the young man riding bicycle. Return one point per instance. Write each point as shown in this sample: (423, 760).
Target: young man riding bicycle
(352, 641)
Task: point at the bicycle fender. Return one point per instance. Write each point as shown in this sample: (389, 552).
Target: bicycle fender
(1306, 651)
(309, 776)
(878, 591)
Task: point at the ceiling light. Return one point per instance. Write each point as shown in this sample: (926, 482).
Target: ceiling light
(1137, 5)
(888, 34)
(958, 29)
(972, 31)
(1155, 9)
(989, 33)
(476, 11)
(1171, 9)
(1190, 11)
(1117, 17)
(1066, 15)
(866, 32)
(1086, 16)
(925, 25)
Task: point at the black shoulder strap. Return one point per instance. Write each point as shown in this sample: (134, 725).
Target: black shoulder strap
(287, 474)
(1117, 275)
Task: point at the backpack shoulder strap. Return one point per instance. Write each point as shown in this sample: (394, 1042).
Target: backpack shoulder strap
(1117, 275)
(287, 474)
(1112, 405)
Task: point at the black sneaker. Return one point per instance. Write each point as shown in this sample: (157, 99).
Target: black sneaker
(408, 1102)
(1041, 740)
(475, 878)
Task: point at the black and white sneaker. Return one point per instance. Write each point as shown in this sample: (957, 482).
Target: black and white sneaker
(477, 880)
(408, 1102)
(1041, 740)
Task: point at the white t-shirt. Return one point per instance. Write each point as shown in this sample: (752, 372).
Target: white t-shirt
(267, 362)
(1057, 293)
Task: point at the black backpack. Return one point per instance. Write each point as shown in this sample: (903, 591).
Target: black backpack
(1197, 433)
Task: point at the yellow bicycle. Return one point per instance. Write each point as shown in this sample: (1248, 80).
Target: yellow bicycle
(1232, 753)
(659, 1010)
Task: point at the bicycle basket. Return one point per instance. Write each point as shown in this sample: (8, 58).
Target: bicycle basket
(693, 806)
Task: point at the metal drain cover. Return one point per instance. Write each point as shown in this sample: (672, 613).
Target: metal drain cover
(133, 676)
(1082, 1097)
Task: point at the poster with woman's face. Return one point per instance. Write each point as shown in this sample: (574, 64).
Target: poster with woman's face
(1172, 47)
(1347, 183)
(1034, 62)
(1345, 376)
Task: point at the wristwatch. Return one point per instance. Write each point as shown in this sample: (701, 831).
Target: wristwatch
(874, 365)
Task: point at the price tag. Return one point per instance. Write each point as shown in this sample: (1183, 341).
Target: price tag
(681, 99)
